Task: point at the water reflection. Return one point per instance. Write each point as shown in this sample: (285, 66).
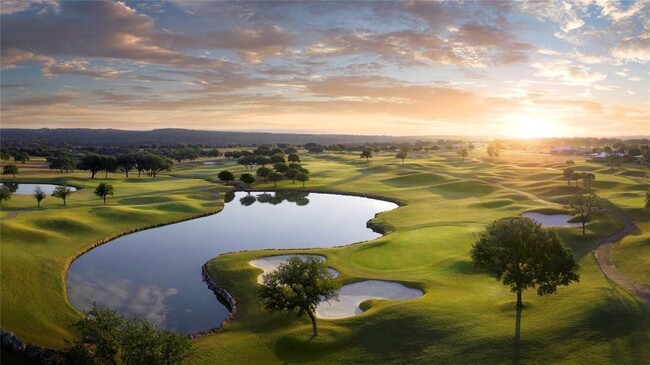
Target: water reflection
(297, 197)
(23, 188)
(156, 274)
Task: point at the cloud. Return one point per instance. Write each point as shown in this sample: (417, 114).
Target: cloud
(17, 6)
(634, 49)
(39, 101)
(97, 29)
(568, 73)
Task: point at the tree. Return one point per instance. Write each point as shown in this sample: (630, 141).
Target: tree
(5, 193)
(576, 177)
(62, 163)
(106, 337)
(10, 169)
(103, 190)
(247, 179)
(302, 177)
(281, 167)
(587, 179)
(435, 148)
(293, 157)
(299, 285)
(62, 192)
(278, 159)
(613, 158)
(21, 157)
(226, 176)
(585, 206)
(126, 163)
(568, 175)
(291, 174)
(264, 172)
(367, 154)
(109, 164)
(91, 162)
(39, 195)
(275, 177)
(522, 254)
(463, 154)
(401, 155)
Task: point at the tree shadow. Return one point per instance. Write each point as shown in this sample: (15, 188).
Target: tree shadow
(516, 355)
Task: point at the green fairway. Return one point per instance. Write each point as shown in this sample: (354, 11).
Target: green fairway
(464, 317)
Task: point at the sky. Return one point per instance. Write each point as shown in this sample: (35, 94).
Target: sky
(476, 68)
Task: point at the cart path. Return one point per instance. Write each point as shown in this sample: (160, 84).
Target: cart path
(603, 255)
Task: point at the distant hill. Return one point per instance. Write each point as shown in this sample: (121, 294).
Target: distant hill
(116, 137)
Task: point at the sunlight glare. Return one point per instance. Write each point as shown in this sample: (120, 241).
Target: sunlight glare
(524, 126)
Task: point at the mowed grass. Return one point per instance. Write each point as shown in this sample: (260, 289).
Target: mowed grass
(39, 243)
(464, 317)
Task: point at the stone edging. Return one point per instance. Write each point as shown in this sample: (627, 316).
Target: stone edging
(34, 352)
(222, 295)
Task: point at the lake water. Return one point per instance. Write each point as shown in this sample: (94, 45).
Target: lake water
(554, 220)
(23, 188)
(156, 274)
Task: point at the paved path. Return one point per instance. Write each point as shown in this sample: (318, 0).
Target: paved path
(603, 256)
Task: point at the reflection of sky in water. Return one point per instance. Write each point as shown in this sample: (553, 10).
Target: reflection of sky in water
(21, 188)
(156, 274)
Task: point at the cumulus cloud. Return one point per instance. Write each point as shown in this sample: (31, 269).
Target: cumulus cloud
(567, 72)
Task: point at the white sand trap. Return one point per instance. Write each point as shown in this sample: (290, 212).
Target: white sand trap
(352, 295)
(210, 163)
(270, 263)
(555, 220)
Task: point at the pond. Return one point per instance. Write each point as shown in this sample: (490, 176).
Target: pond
(156, 274)
(24, 188)
(554, 220)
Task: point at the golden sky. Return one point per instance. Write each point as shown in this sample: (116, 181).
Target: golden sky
(489, 68)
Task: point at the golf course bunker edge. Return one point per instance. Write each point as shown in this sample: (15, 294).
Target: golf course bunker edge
(351, 295)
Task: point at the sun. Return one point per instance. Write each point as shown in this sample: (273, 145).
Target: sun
(523, 126)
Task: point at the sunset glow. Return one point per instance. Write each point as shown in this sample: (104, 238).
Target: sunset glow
(400, 68)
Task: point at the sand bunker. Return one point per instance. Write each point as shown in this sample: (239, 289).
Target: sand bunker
(270, 263)
(352, 295)
(555, 220)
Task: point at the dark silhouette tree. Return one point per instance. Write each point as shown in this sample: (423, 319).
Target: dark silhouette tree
(401, 155)
(247, 179)
(366, 153)
(291, 175)
(293, 157)
(264, 172)
(10, 169)
(299, 286)
(126, 163)
(522, 254)
(5, 193)
(91, 162)
(302, 177)
(463, 154)
(226, 176)
(275, 177)
(568, 175)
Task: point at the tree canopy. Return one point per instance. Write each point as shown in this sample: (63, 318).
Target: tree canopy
(62, 192)
(299, 285)
(585, 206)
(10, 169)
(39, 195)
(5, 193)
(103, 190)
(522, 254)
(226, 176)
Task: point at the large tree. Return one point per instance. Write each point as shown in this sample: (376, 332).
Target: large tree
(91, 162)
(463, 154)
(10, 169)
(107, 338)
(126, 163)
(264, 172)
(103, 190)
(522, 254)
(299, 286)
(585, 206)
(62, 192)
(302, 177)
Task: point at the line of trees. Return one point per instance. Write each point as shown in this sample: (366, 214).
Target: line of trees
(149, 163)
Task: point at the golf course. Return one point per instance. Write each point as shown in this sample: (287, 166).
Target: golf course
(445, 202)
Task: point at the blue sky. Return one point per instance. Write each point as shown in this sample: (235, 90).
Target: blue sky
(492, 68)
